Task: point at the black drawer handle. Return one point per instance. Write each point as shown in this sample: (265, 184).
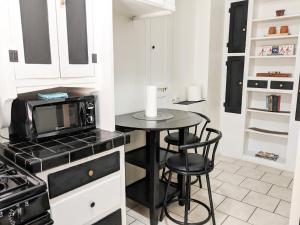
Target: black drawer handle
(93, 204)
(91, 173)
(281, 85)
(256, 84)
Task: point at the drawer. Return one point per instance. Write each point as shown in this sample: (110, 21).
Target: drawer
(89, 204)
(82, 174)
(284, 85)
(257, 84)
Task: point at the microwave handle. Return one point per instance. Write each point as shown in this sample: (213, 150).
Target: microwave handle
(82, 113)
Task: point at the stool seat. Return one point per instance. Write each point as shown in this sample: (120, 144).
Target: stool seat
(196, 163)
(173, 138)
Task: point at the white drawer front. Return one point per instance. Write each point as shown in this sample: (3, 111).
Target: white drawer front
(76, 209)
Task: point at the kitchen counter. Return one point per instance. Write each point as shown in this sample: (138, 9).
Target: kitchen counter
(40, 156)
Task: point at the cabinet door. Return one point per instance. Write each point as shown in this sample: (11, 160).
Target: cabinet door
(234, 84)
(75, 35)
(34, 37)
(238, 27)
(297, 118)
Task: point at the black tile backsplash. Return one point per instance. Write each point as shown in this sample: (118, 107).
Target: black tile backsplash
(40, 156)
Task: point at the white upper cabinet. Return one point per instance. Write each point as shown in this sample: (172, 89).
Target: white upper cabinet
(52, 38)
(34, 38)
(75, 35)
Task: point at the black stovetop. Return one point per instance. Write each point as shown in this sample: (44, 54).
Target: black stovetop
(17, 184)
(43, 155)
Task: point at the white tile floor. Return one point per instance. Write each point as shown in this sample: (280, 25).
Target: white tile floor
(244, 193)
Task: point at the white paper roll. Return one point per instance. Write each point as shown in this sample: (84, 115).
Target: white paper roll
(5, 113)
(194, 93)
(151, 101)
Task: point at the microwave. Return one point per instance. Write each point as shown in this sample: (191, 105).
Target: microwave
(35, 119)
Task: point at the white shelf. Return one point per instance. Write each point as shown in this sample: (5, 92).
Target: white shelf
(266, 134)
(270, 90)
(274, 57)
(268, 113)
(279, 18)
(275, 37)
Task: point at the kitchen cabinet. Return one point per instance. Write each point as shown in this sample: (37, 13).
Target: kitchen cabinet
(238, 27)
(52, 39)
(297, 117)
(234, 84)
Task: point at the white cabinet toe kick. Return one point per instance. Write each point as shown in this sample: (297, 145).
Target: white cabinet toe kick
(90, 191)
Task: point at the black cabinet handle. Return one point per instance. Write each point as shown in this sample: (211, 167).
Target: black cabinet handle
(153, 47)
(93, 204)
(244, 29)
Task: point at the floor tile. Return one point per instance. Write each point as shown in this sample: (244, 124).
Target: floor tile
(245, 164)
(276, 179)
(228, 167)
(233, 221)
(130, 203)
(232, 191)
(137, 223)
(256, 185)
(179, 210)
(283, 209)
(214, 183)
(280, 192)
(268, 169)
(263, 217)
(262, 201)
(230, 178)
(225, 159)
(237, 209)
(291, 185)
(129, 220)
(251, 173)
(202, 196)
(215, 172)
(199, 214)
(287, 174)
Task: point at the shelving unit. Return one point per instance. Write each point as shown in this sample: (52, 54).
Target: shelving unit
(264, 130)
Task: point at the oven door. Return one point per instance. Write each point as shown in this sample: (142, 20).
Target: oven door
(44, 219)
(59, 118)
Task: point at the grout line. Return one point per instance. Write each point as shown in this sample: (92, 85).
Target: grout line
(251, 214)
(276, 206)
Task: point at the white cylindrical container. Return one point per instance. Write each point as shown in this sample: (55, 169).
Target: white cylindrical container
(194, 93)
(151, 101)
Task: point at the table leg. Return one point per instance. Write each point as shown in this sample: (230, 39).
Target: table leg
(183, 132)
(152, 145)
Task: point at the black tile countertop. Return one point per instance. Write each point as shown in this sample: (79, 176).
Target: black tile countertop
(37, 157)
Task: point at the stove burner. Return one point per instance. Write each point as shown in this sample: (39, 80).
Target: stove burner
(3, 186)
(2, 165)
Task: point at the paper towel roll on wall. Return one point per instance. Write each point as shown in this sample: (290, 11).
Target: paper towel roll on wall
(5, 113)
(151, 101)
(194, 93)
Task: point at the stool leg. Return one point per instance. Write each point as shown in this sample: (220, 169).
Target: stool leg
(210, 200)
(166, 198)
(187, 205)
(200, 181)
(164, 169)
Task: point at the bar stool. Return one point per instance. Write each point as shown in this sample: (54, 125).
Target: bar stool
(192, 164)
(173, 139)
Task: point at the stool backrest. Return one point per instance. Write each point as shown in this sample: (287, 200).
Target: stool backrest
(209, 145)
(205, 122)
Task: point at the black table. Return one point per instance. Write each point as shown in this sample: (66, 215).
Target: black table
(150, 192)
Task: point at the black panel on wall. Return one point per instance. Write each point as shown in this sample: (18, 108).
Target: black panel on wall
(298, 105)
(234, 84)
(238, 27)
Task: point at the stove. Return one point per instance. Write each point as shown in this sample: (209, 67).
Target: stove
(23, 197)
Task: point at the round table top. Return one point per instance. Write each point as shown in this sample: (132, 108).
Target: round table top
(181, 119)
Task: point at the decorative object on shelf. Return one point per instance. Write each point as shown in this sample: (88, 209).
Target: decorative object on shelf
(272, 30)
(273, 74)
(280, 12)
(284, 29)
(269, 50)
(273, 103)
(286, 49)
(194, 93)
(267, 155)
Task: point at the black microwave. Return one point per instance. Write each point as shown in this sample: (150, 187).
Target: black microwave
(38, 119)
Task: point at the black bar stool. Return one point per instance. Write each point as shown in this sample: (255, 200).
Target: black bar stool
(191, 138)
(192, 164)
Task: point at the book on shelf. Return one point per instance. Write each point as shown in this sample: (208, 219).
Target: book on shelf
(273, 103)
(267, 155)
